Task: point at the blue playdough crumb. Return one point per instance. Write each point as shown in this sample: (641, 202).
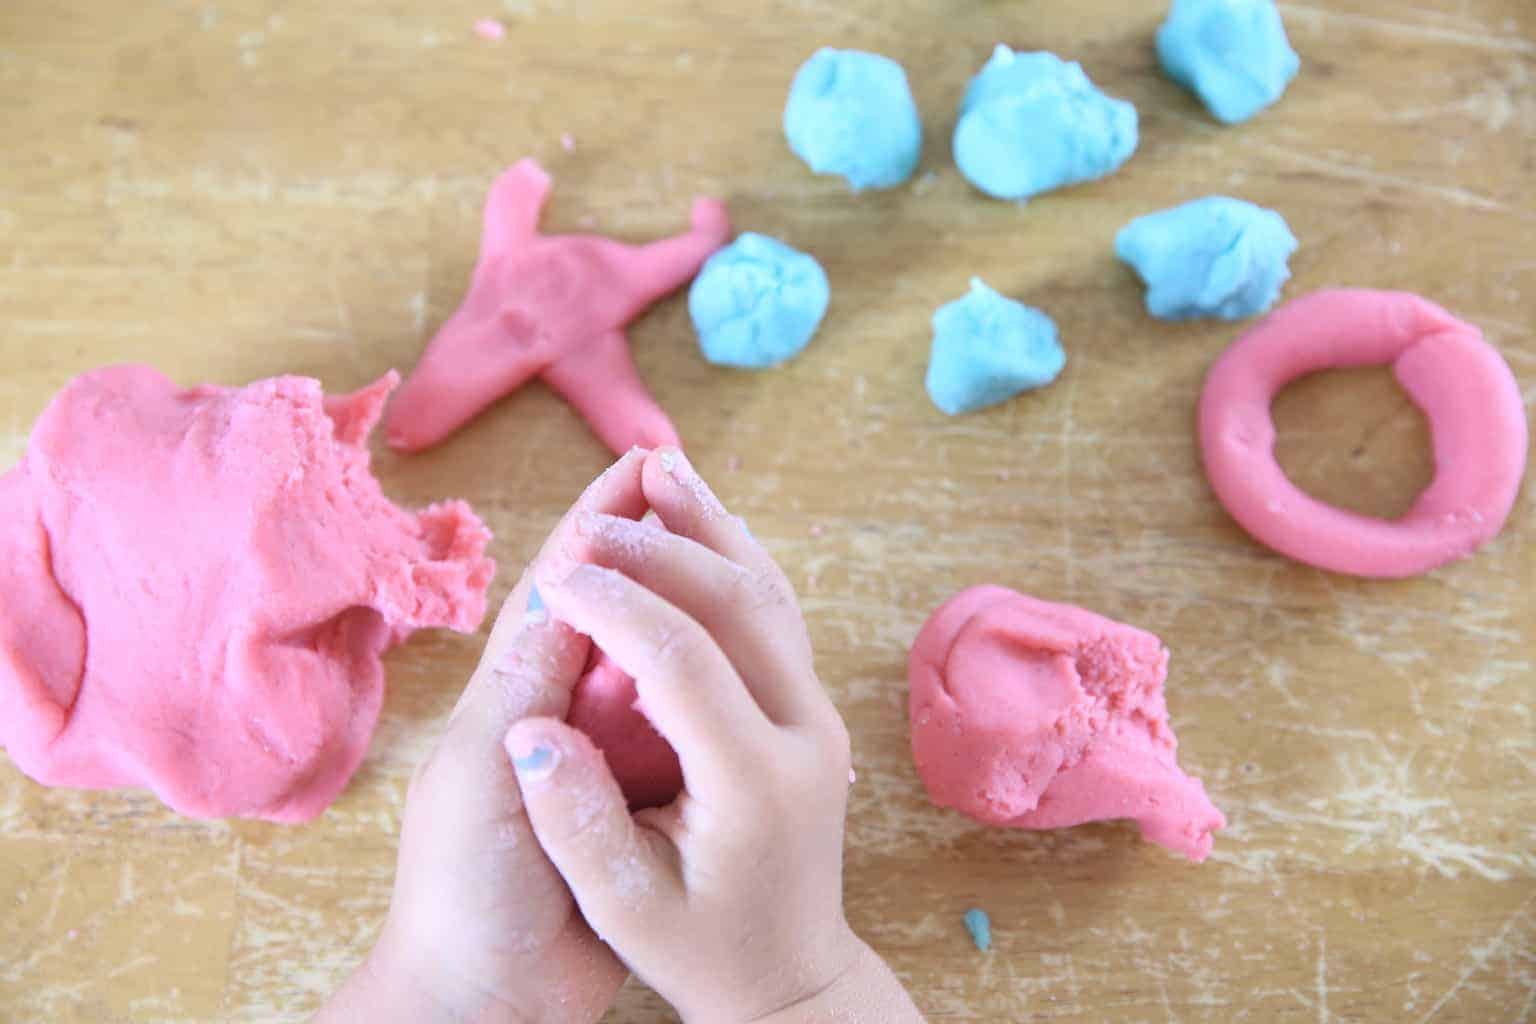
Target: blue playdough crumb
(757, 302)
(1032, 122)
(980, 926)
(1213, 257)
(851, 113)
(1233, 54)
(987, 348)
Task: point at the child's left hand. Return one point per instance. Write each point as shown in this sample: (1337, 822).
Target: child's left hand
(481, 926)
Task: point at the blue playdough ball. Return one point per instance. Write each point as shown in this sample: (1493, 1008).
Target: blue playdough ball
(1233, 54)
(987, 348)
(1213, 257)
(1032, 122)
(852, 113)
(757, 302)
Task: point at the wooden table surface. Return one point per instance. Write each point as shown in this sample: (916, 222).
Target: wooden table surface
(232, 190)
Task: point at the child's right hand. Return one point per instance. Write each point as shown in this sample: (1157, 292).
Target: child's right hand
(729, 901)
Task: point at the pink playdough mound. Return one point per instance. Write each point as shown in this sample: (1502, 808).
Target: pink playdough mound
(198, 586)
(1033, 715)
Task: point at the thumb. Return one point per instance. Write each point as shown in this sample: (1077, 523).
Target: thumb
(614, 866)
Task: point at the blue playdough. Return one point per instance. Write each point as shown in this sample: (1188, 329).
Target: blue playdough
(851, 113)
(980, 926)
(1233, 54)
(757, 302)
(1213, 257)
(1032, 122)
(987, 348)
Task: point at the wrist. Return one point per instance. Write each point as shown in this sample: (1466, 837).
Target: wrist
(384, 991)
(773, 983)
(864, 990)
(393, 983)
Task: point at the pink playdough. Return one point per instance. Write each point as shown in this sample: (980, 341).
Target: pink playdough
(552, 306)
(490, 28)
(1465, 389)
(198, 585)
(604, 706)
(1033, 715)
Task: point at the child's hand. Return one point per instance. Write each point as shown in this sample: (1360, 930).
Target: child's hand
(729, 901)
(481, 926)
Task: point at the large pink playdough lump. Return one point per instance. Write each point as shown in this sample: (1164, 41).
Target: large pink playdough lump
(198, 585)
(551, 306)
(1027, 714)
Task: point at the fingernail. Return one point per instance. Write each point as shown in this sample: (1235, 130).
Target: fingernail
(535, 764)
(745, 528)
(534, 614)
(676, 466)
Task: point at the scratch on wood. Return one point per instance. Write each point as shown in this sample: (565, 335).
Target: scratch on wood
(1504, 43)
(1477, 958)
(1450, 193)
(1323, 1016)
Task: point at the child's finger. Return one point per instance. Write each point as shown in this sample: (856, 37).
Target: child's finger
(685, 504)
(688, 688)
(530, 666)
(753, 619)
(583, 823)
(617, 492)
(514, 679)
(465, 815)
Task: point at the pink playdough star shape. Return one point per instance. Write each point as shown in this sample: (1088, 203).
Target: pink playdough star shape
(553, 306)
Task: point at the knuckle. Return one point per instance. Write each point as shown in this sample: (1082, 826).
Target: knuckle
(522, 694)
(838, 743)
(752, 592)
(770, 590)
(588, 823)
(829, 756)
(680, 646)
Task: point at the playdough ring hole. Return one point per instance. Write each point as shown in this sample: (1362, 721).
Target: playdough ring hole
(1355, 440)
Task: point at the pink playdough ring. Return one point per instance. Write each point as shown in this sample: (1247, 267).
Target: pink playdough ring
(1459, 381)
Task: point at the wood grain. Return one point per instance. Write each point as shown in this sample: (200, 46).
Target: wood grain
(231, 190)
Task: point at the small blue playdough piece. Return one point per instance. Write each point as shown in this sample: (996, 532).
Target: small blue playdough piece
(980, 926)
(851, 113)
(1032, 122)
(987, 348)
(757, 302)
(1215, 256)
(1233, 54)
